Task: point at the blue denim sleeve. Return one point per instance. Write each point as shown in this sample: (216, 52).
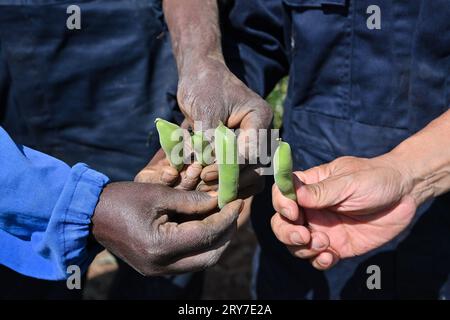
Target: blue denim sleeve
(45, 212)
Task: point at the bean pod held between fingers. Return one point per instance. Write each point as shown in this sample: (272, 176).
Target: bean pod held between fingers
(282, 164)
(171, 140)
(227, 161)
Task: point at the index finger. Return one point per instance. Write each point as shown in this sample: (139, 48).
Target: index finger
(188, 202)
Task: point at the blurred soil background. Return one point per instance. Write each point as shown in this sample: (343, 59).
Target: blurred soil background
(232, 274)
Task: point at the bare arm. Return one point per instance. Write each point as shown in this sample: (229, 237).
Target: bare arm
(425, 158)
(207, 90)
(195, 32)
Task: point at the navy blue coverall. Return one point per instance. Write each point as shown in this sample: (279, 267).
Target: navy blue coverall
(358, 90)
(87, 95)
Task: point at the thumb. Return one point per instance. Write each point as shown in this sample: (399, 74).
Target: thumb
(190, 202)
(322, 194)
(256, 118)
(233, 209)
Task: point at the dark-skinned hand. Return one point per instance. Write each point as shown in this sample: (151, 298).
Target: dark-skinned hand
(209, 92)
(159, 230)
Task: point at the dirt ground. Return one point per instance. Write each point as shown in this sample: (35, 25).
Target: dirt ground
(232, 274)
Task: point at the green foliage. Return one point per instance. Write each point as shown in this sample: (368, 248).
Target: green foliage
(276, 100)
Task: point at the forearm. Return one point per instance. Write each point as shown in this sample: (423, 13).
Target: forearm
(208, 92)
(45, 211)
(425, 160)
(195, 31)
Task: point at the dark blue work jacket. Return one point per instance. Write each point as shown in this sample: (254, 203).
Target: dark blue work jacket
(88, 94)
(363, 76)
(81, 95)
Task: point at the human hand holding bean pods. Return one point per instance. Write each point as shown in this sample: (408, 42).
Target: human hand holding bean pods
(227, 162)
(159, 230)
(209, 93)
(226, 170)
(344, 208)
(282, 166)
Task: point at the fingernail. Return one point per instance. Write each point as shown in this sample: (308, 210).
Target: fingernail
(209, 176)
(317, 244)
(324, 260)
(286, 213)
(296, 238)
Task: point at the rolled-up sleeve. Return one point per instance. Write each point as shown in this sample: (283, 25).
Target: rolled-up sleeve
(45, 212)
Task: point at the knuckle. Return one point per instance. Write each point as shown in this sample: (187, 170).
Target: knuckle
(317, 190)
(266, 114)
(193, 200)
(144, 176)
(268, 110)
(263, 107)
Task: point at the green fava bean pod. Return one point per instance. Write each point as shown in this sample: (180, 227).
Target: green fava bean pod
(170, 138)
(282, 163)
(202, 149)
(227, 161)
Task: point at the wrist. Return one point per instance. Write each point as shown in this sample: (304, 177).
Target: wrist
(417, 178)
(192, 64)
(195, 31)
(103, 212)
